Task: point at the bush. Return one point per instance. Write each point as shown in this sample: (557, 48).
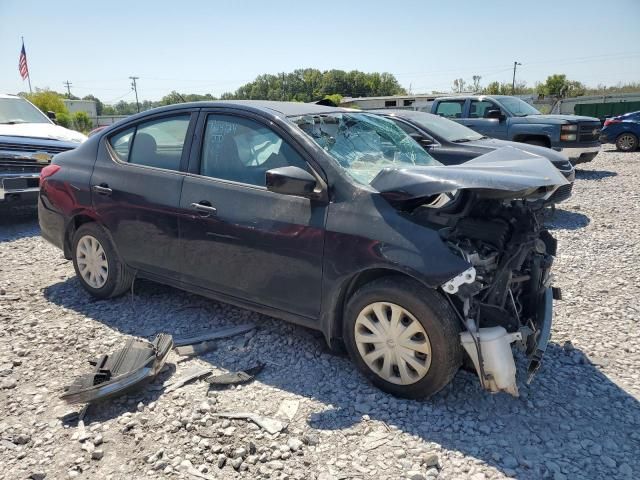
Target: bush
(48, 101)
(64, 119)
(81, 122)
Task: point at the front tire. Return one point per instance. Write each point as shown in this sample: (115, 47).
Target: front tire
(403, 337)
(627, 142)
(98, 266)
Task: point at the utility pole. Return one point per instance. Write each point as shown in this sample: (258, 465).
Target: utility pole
(68, 85)
(134, 87)
(513, 84)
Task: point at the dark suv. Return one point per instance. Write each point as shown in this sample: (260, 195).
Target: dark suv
(330, 218)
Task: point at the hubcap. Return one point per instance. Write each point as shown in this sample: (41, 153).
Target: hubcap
(393, 343)
(626, 142)
(92, 261)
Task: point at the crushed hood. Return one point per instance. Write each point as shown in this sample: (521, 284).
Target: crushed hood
(42, 130)
(507, 173)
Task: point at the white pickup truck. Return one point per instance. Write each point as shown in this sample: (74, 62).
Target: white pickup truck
(28, 141)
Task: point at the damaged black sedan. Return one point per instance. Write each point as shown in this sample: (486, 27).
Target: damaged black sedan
(330, 218)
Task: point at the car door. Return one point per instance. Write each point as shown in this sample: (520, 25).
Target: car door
(477, 120)
(136, 185)
(241, 239)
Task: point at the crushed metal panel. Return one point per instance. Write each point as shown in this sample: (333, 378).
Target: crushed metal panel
(504, 173)
(121, 371)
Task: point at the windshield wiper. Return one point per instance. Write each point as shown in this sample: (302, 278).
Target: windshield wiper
(461, 140)
(12, 122)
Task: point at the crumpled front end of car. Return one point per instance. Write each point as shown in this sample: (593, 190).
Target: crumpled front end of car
(488, 212)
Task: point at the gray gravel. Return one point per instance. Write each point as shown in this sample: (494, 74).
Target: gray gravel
(580, 417)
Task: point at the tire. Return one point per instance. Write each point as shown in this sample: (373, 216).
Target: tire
(538, 143)
(627, 142)
(114, 277)
(433, 314)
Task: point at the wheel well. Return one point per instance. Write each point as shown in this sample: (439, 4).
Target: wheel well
(540, 138)
(72, 227)
(357, 281)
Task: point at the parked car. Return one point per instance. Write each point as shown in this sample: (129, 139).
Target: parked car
(510, 118)
(327, 217)
(452, 143)
(28, 141)
(623, 130)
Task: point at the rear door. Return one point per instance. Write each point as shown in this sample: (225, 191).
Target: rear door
(136, 185)
(477, 120)
(241, 239)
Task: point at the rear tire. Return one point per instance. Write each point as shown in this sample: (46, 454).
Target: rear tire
(98, 266)
(393, 361)
(627, 142)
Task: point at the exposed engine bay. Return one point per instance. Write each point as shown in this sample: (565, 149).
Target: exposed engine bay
(505, 296)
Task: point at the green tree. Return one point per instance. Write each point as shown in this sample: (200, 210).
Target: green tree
(99, 104)
(335, 99)
(557, 85)
(81, 122)
(47, 101)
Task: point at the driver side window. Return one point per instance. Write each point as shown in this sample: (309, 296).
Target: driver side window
(480, 108)
(242, 150)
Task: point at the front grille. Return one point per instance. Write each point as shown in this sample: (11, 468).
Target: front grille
(589, 132)
(21, 165)
(31, 148)
(561, 194)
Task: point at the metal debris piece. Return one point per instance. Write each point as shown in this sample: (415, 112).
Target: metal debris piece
(223, 332)
(270, 425)
(234, 378)
(288, 409)
(196, 349)
(189, 376)
(121, 371)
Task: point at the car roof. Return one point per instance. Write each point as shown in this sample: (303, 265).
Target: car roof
(287, 109)
(464, 97)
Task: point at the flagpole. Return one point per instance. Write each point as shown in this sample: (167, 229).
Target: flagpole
(28, 72)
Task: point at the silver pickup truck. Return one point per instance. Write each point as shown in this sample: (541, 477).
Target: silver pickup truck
(28, 141)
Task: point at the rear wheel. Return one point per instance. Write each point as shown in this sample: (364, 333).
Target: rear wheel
(627, 142)
(98, 267)
(403, 337)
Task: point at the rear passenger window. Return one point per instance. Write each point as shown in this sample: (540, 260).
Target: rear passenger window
(158, 143)
(450, 109)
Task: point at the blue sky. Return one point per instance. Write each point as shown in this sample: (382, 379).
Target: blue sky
(215, 46)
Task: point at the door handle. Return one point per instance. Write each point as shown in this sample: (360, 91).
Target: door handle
(102, 189)
(204, 209)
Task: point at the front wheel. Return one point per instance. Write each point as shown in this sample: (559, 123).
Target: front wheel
(98, 266)
(627, 142)
(403, 337)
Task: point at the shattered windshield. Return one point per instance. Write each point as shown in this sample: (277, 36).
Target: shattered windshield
(363, 144)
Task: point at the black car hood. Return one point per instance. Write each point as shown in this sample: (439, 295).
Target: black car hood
(507, 173)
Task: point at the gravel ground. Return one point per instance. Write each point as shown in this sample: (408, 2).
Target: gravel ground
(578, 419)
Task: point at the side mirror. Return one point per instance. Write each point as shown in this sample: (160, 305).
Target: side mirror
(495, 113)
(422, 140)
(292, 181)
(51, 115)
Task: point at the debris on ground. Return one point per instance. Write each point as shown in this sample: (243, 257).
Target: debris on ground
(121, 371)
(270, 425)
(189, 376)
(217, 334)
(235, 378)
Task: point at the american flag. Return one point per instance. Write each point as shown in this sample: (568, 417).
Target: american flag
(22, 64)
